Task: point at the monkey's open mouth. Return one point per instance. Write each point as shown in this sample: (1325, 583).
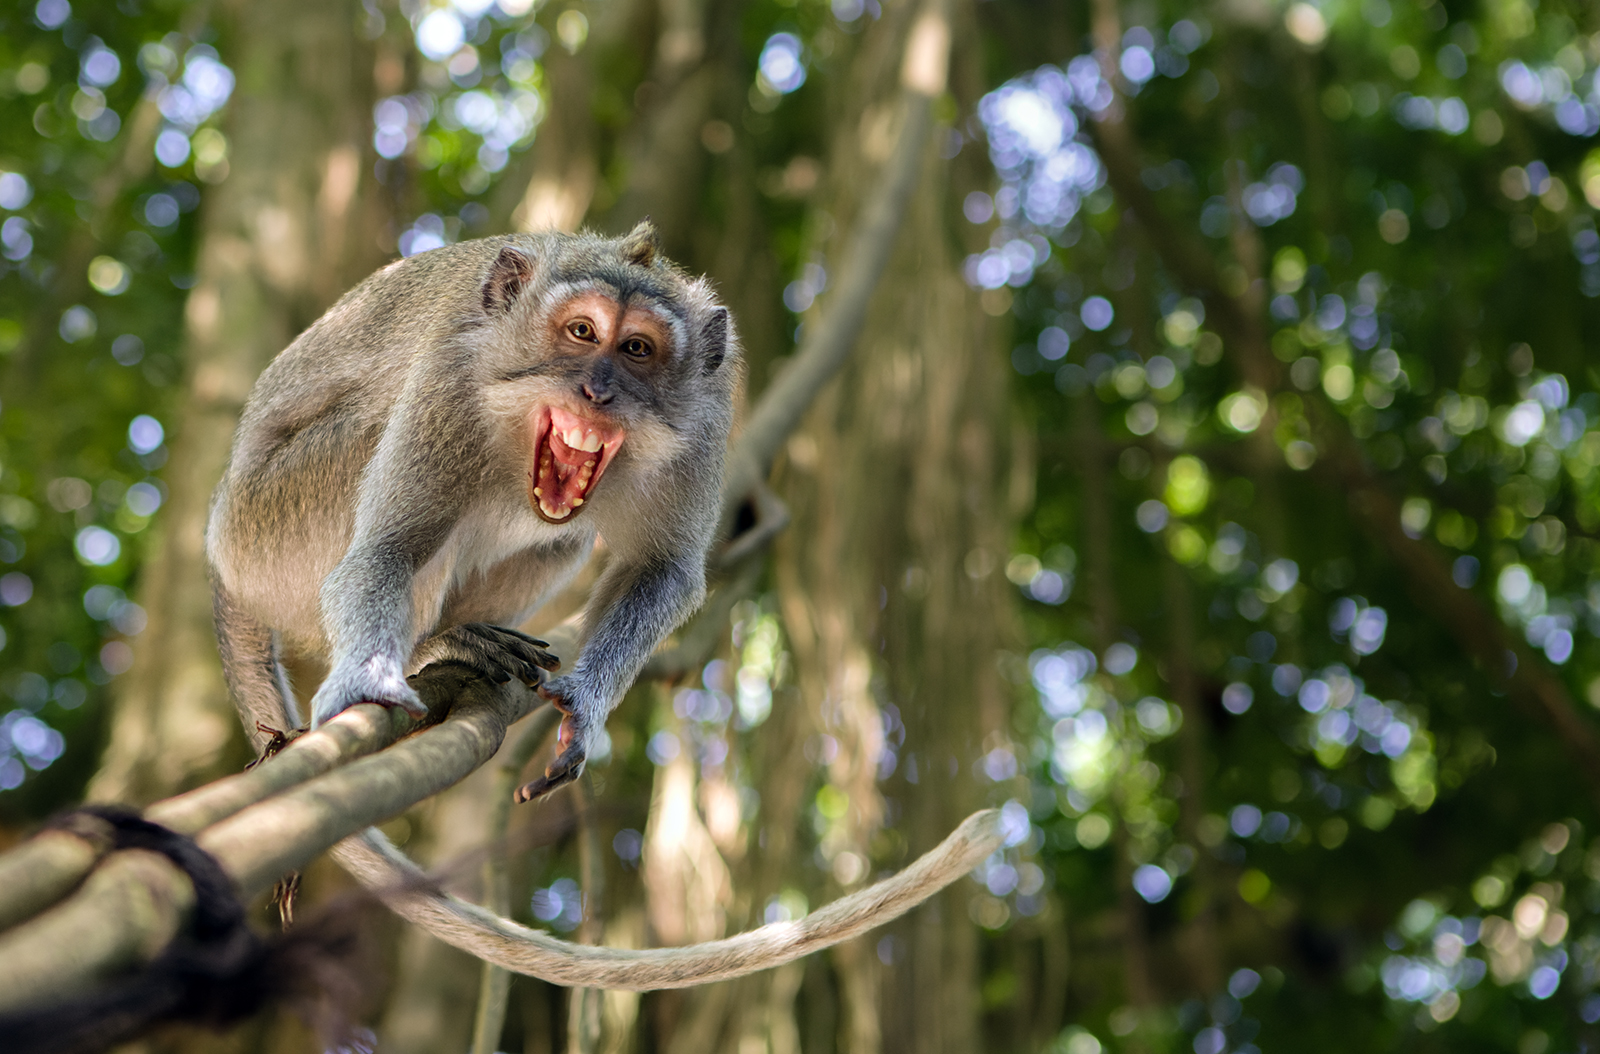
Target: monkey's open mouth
(570, 455)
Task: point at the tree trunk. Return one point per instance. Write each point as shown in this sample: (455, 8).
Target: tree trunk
(292, 227)
(890, 579)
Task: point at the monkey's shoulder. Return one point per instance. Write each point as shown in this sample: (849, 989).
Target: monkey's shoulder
(363, 348)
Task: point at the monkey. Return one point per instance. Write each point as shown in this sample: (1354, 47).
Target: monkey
(433, 459)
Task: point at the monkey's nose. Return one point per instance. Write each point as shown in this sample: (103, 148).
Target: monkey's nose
(597, 395)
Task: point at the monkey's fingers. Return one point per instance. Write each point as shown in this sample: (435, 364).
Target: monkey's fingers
(539, 656)
(491, 651)
(519, 653)
(535, 641)
(567, 767)
(567, 731)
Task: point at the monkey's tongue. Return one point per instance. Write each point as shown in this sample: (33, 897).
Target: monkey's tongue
(564, 477)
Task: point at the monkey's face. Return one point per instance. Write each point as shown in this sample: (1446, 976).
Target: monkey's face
(609, 366)
(606, 355)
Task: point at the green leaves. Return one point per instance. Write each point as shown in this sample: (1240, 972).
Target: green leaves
(1393, 204)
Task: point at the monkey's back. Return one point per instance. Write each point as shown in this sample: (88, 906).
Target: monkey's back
(284, 510)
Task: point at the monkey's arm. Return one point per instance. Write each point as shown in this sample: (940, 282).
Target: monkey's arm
(634, 606)
(367, 611)
(412, 493)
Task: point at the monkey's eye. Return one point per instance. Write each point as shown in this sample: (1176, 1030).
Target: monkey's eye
(583, 330)
(637, 348)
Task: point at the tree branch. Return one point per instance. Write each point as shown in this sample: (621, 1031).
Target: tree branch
(131, 907)
(829, 340)
(361, 730)
(135, 903)
(405, 889)
(772, 516)
(284, 833)
(42, 870)
(273, 831)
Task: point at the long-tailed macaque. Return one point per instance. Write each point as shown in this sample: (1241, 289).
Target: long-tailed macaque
(434, 457)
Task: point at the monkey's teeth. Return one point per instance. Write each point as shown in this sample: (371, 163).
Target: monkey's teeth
(562, 482)
(579, 439)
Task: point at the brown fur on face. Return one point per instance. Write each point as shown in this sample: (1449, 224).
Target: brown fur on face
(631, 330)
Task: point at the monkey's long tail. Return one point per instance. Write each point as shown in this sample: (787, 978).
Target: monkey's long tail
(407, 890)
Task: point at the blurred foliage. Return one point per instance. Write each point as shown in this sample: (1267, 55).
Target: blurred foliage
(1245, 741)
(1391, 849)
(87, 353)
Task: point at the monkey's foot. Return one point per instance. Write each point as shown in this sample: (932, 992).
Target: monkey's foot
(568, 764)
(284, 895)
(276, 741)
(374, 679)
(567, 767)
(493, 651)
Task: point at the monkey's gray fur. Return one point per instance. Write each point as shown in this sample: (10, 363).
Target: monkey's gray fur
(377, 509)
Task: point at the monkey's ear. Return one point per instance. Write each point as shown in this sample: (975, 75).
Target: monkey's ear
(509, 273)
(714, 336)
(641, 245)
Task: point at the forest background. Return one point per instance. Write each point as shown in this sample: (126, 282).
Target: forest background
(1214, 485)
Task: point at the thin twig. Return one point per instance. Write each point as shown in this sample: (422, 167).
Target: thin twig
(495, 983)
(583, 1013)
(828, 341)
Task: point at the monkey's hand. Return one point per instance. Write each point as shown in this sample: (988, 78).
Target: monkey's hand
(572, 742)
(375, 679)
(492, 651)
